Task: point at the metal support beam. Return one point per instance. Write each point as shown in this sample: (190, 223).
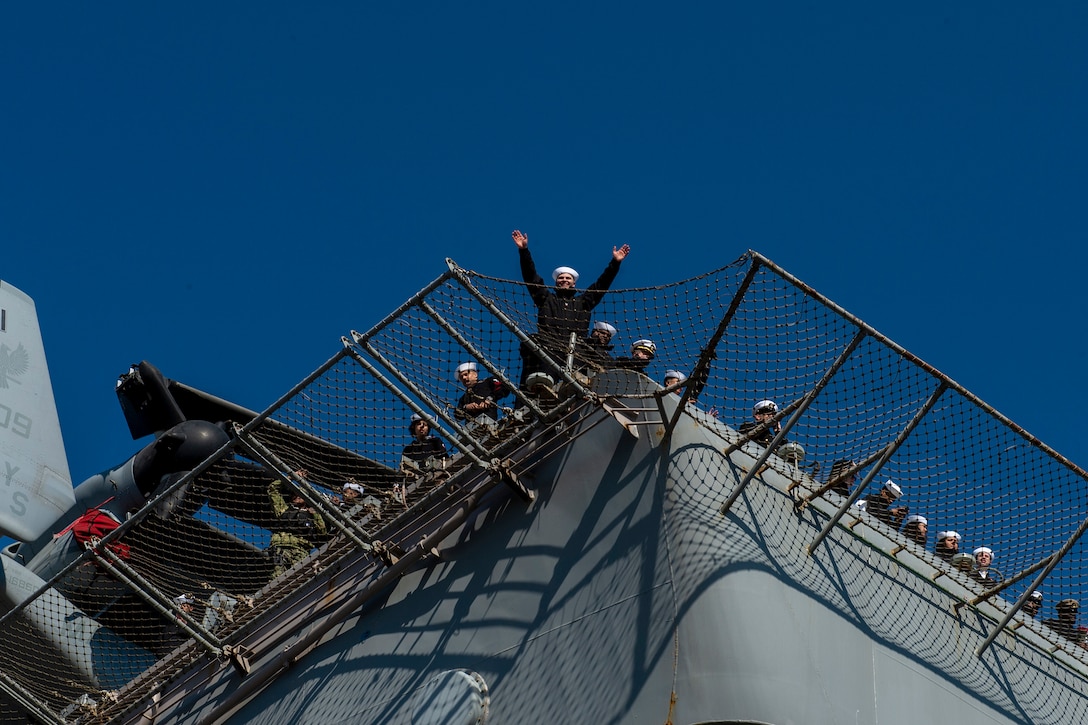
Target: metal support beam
(147, 591)
(1050, 563)
(885, 456)
(463, 434)
(476, 353)
(801, 407)
(39, 710)
(290, 654)
(277, 467)
(460, 276)
(701, 371)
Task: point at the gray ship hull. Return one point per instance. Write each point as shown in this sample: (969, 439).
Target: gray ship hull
(622, 595)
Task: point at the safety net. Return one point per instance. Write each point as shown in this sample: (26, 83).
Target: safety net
(338, 469)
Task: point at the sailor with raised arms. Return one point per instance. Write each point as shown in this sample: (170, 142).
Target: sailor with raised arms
(561, 311)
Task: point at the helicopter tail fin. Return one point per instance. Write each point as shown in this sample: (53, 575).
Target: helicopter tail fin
(35, 484)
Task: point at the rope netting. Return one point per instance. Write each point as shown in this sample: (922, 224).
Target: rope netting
(335, 466)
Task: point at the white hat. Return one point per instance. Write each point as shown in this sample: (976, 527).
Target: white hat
(417, 417)
(983, 549)
(763, 405)
(564, 270)
(353, 486)
(184, 599)
(1036, 594)
(598, 325)
(949, 535)
(462, 367)
(893, 488)
(675, 374)
(647, 345)
(916, 519)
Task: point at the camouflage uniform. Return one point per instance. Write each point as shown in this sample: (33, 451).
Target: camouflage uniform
(296, 531)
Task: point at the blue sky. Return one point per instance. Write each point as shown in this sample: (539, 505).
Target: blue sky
(225, 191)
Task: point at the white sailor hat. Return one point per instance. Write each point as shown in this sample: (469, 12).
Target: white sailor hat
(647, 345)
(983, 550)
(1036, 595)
(916, 519)
(949, 535)
(564, 270)
(354, 486)
(462, 367)
(675, 374)
(604, 326)
(184, 599)
(765, 405)
(893, 488)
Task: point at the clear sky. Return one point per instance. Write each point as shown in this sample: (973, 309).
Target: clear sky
(226, 189)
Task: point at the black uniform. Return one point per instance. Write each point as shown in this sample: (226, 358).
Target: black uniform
(595, 355)
(1065, 628)
(559, 311)
(943, 551)
(990, 577)
(420, 450)
(488, 388)
(878, 506)
(764, 439)
(633, 363)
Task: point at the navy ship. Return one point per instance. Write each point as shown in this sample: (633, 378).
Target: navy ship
(743, 529)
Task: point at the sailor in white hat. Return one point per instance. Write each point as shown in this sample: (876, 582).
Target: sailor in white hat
(480, 395)
(764, 412)
(569, 275)
(351, 490)
(674, 376)
(355, 502)
(466, 373)
(916, 528)
(597, 351)
(765, 407)
(948, 544)
(561, 310)
(879, 504)
(642, 352)
(984, 570)
(603, 330)
(1033, 603)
